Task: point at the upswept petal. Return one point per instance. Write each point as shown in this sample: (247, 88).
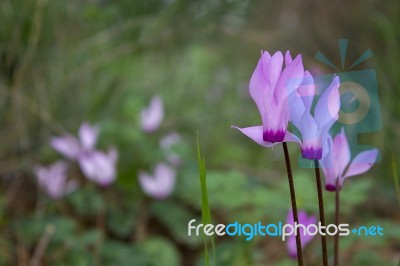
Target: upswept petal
(328, 105)
(88, 136)
(52, 179)
(289, 80)
(328, 165)
(161, 184)
(309, 128)
(274, 69)
(298, 109)
(258, 82)
(307, 90)
(147, 183)
(99, 166)
(341, 152)
(152, 116)
(301, 100)
(166, 177)
(362, 163)
(288, 58)
(66, 145)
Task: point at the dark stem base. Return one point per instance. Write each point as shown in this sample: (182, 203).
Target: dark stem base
(321, 212)
(337, 213)
(294, 205)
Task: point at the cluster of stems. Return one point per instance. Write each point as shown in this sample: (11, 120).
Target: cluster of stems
(321, 211)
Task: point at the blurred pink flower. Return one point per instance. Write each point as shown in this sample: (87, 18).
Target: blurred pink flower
(53, 180)
(88, 136)
(170, 140)
(99, 167)
(167, 143)
(305, 239)
(161, 184)
(152, 116)
(337, 164)
(66, 145)
(271, 86)
(71, 147)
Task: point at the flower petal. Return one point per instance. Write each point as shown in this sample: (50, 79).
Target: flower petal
(152, 116)
(170, 140)
(288, 58)
(99, 167)
(166, 178)
(88, 136)
(307, 90)
(305, 220)
(309, 129)
(289, 137)
(328, 104)
(362, 163)
(161, 184)
(52, 179)
(289, 80)
(274, 69)
(328, 166)
(256, 134)
(66, 145)
(341, 152)
(298, 109)
(258, 86)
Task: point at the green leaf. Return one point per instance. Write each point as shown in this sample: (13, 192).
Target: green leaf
(205, 208)
(159, 252)
(176, 218)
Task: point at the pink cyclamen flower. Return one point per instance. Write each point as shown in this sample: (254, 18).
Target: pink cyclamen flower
(271, 86)
(53, 180)
(71, 147)
(152, 116)
(167, 143)
(337, 164)
(99, 167)
(159, 185)
(315, 126)
(305, 220)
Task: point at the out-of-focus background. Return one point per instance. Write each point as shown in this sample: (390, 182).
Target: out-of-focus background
(64, 63)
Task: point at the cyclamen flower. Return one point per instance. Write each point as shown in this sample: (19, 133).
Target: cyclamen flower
(53, 180)
(337, 164)
(71, 147)
(315, 126)
(271, 86)
(167, 143)
(305, 220)
(99, 167)
(159, 185)
(152, 116)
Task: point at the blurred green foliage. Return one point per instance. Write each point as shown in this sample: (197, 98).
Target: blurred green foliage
(65, 62)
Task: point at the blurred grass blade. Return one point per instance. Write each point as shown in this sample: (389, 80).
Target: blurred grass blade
(396, 177)
(205, 207)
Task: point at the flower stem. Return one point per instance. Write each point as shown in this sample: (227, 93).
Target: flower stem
(337, 208)
(321, 212)
(294, 206)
